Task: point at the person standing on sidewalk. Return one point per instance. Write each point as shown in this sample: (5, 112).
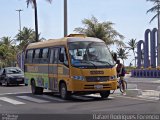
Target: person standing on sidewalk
(121, 73)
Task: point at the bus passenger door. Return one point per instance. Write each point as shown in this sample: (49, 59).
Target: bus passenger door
(63, 66)
(53, 69)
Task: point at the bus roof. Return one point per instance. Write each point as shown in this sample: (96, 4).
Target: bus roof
(62, 41)
(73, 39)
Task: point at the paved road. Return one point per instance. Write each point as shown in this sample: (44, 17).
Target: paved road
(18, 99)
(47, 103)
(14, 89)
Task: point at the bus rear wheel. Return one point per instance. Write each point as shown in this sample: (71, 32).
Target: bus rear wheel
(36, 90)
(63, 91)
(105, 94)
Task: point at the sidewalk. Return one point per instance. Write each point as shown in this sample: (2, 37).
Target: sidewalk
(128, 78)
(145, 94)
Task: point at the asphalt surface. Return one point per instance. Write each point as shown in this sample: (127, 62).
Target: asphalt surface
(19, 100)
(77, 105)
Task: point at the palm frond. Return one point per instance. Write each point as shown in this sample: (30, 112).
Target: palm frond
(153, 17)
(33, 2)
(80, 30)
(102, 30)
(153, 9)
(154, 1)
(29, 2)
(122, 53)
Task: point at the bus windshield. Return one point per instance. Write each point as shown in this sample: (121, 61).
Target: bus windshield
(88, 53)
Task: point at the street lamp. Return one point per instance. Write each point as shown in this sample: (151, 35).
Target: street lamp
(65, 18)
(19, 11)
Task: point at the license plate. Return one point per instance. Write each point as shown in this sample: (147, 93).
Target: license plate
(98, 86)
(19, 79)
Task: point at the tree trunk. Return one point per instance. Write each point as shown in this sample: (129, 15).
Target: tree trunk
(134, 57)
(36, 20)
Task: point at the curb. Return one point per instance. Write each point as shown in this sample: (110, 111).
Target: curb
(133, 92)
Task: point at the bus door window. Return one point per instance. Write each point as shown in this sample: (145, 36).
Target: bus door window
(63, 69)
(54, 56)
(64, 55)
(51, 56)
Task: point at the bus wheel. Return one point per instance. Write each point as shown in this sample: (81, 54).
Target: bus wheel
(63, 91)
(36, 90)
(105, 94)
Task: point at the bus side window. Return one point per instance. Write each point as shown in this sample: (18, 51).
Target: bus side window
(44, 56)
(36, 57)
(29, 56)
(63, 52)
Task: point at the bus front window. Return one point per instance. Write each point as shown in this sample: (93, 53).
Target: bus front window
(89, 53)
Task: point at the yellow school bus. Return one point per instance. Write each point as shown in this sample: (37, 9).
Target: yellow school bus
(75, 64)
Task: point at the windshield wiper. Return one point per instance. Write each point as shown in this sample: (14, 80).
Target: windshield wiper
(104, 62)
(89, 62)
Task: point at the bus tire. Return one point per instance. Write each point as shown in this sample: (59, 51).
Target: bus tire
(0, 83)
(36, 90)
(105, 94)
(63, 91)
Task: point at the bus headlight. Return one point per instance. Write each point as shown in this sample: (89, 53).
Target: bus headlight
(113, 77)
(78, 77)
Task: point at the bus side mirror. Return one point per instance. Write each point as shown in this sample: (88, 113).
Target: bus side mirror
(114, 55)
(61, 58)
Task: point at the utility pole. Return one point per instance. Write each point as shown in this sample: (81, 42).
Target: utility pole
(19, 11)
(65, 18)
(158, 43)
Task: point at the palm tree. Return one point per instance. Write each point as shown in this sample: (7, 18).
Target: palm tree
(34, 3)
(155, 9)
(26, 35)
(122, 54)
(7, 51)
(103, 30)
(132, 46)
(6, 40)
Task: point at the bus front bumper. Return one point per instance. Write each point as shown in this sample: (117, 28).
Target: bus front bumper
(93, 86)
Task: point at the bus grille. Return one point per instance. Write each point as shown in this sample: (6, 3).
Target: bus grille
(97, 78)
(92, 86)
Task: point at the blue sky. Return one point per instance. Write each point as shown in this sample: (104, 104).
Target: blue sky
(129, 16)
